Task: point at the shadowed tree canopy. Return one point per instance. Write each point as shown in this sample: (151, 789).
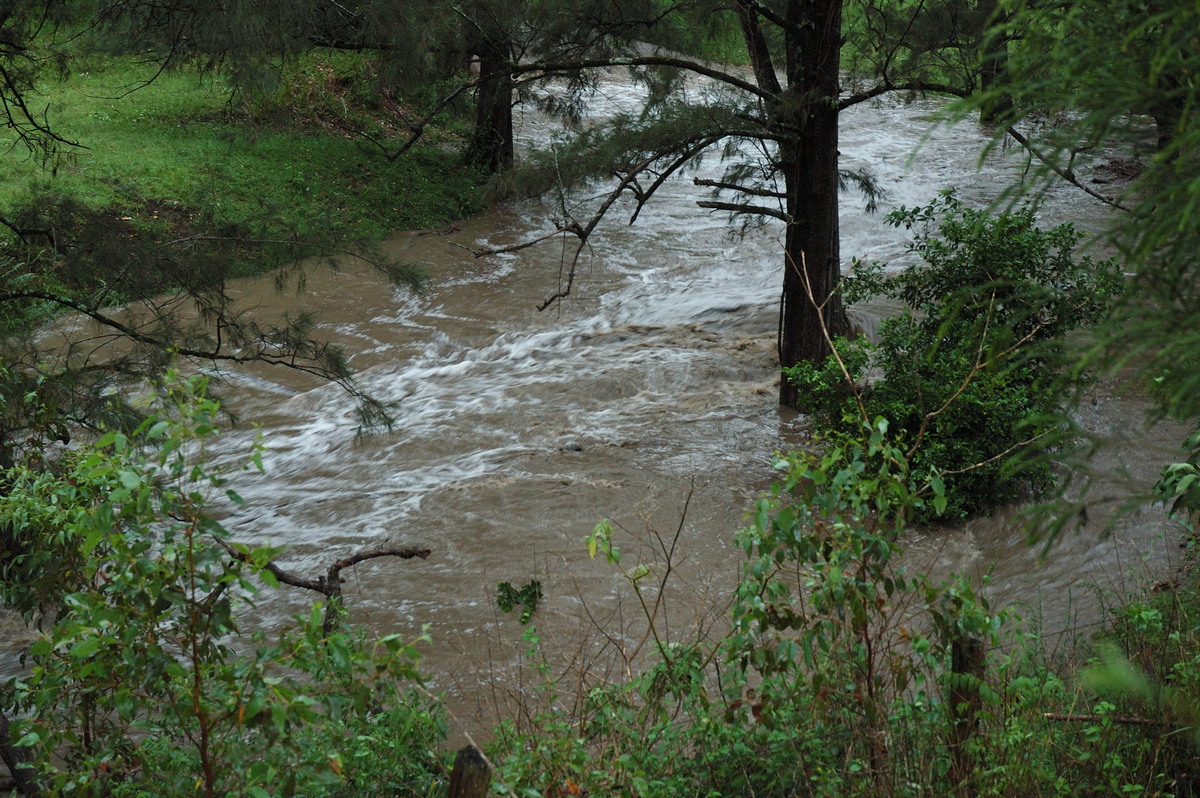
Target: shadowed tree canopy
(1104, 93)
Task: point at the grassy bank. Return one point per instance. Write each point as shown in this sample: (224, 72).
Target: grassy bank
(178, 151)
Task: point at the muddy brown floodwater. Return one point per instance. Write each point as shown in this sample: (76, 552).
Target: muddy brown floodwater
(650, 389)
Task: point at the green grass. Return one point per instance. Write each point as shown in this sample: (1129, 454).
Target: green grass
(178, 145)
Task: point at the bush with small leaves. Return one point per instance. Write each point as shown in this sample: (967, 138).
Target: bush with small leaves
(972, 376)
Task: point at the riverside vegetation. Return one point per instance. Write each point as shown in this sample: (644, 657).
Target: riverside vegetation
(838, 674)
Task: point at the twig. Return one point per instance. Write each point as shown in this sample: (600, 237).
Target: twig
(1128, 720)
(802, 271)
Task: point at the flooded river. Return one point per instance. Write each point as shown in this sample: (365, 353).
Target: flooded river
(651, 389)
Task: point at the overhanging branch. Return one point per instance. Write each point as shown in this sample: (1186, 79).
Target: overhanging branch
(751, 190)
(887, 87)
(549, 69)
(736, 207)
(628, 181)
(280, 357)
(1058, 170)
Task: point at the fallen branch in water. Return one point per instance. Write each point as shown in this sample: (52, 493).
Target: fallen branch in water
(330, 585)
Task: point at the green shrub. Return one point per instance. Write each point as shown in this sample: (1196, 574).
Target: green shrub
(971, 373)
(141, 684)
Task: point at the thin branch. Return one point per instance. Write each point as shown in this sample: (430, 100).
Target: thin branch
(1124, 719)
(669, 553)
(417, 130)
(802, 271)
(280, 357)
(627, 182)
(573, 228)
(887, 87)
(1016, 447)
(975, 369)
(735, 207)
(1063, 173)
(548, 69)
(690, 152)
(751, 190)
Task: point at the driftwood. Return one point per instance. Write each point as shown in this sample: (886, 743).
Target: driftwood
(330, 584)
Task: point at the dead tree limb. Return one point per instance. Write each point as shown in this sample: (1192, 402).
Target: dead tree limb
(330, 584)
(1029, 146)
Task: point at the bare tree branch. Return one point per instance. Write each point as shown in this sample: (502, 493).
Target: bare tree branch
(1123, 719)
(736, 207)
(888, 87)
(1063, 173)
(751, 190)
(329, 584)
(548, 69)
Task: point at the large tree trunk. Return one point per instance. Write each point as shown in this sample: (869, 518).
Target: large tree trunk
(1168, 109)
(491, 144)
(807, 113)
(995, 62)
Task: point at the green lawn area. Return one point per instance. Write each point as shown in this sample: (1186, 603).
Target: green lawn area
(152, 142)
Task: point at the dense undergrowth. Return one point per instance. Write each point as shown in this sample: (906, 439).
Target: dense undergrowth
(839, 673)
(972, 374)
(844, 675)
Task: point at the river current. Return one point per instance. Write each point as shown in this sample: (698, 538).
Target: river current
(651, 389)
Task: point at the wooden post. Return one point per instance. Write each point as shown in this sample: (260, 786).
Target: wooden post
(471, 776)
(966, 673)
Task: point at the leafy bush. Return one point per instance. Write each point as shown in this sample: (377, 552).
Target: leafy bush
(970, 374)
(142, 684)
(1179, 482)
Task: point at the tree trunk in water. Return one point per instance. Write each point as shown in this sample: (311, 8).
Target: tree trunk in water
(807, 115)
(1168, 110)
(491, 144)
(995, 62)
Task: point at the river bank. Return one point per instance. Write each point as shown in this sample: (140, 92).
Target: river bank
(173, 155)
